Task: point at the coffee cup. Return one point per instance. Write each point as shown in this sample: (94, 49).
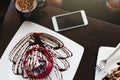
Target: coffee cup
(27, 7)
(113, 5)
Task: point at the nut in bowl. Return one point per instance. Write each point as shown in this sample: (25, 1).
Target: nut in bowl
(40, 56)
(27, 7)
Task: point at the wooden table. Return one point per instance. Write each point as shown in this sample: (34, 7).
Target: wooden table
(97, 33)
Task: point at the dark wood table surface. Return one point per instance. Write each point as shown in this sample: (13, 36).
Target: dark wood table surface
(97, 33)
(93, 8)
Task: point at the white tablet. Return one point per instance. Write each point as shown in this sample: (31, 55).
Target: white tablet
(69, 20)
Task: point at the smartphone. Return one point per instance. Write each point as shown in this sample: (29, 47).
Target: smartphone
(69, 20)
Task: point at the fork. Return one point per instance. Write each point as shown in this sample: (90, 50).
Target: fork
(102, 63)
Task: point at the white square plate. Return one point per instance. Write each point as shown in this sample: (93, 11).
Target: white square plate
(103, 53)
(27, 27)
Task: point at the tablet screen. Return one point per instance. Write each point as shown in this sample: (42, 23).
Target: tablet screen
(70, 20)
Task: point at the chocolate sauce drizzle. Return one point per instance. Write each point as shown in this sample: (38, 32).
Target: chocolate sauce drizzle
(114, 75)
(57, 49)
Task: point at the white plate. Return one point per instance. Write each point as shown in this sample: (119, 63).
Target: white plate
(103, 53)
(27, 27)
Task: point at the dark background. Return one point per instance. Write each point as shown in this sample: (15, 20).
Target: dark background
(3, 8)
(93, 8)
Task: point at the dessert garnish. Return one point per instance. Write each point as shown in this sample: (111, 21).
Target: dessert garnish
(40, 56)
